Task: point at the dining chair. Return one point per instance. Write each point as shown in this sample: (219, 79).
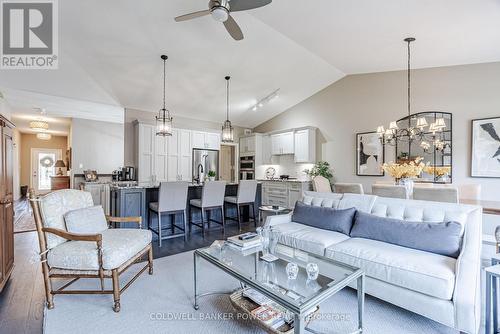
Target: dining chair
(247, 190)
(212, 198)
(352, 188)
(469, 191)
(436, 194)
(172, 199)
(321, 184)
(387, 190)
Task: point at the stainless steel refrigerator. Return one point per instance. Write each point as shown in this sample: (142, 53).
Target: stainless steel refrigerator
(203, 162)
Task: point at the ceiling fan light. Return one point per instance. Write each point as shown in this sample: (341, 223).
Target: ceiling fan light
(220, 14)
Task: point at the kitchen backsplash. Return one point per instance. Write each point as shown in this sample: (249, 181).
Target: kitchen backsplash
(286, 165)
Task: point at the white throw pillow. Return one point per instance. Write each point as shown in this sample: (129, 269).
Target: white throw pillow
(90, 220)
(307, 200)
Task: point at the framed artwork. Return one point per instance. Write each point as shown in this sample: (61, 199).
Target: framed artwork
(485, 160)
(370, 154)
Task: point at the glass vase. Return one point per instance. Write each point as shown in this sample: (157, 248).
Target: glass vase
(408, 183)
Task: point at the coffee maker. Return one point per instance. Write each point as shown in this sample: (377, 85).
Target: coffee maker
(128, 173)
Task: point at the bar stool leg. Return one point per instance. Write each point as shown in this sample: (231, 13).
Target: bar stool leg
(239, 216)
(203, 223)
(223, 220)
(494, 285)
(159, 227)
(253, 214)
(184, 215)
(489, 298)
(172, 217)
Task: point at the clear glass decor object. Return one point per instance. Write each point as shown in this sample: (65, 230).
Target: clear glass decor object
(312, 270)
(292, 270)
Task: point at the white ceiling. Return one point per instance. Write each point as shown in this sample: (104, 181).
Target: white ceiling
(109, 52)
(58, 126)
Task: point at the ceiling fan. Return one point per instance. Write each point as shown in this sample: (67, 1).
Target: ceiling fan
(221, 12)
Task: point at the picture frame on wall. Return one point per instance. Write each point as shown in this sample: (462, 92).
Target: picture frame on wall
(370, 154)
(485, 154)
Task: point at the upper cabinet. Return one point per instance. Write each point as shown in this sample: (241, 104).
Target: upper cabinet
(305, 146)
(282, 143)
(206, 140)
(247, 146)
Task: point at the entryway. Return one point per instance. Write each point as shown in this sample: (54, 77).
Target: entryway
(42, 168)
(228, 162)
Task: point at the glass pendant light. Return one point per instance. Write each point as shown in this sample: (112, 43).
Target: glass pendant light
(164, 120)
(227, 129)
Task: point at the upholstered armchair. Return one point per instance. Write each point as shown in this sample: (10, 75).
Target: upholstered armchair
(76, 241)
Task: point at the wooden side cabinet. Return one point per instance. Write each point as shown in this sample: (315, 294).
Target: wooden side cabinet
(6, 199)
(59, 182)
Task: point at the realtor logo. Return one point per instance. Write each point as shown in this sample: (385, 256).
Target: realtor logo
(29, 34)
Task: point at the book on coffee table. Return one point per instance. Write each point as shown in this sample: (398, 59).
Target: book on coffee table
(245, 244)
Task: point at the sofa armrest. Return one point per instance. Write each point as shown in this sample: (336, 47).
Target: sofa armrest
(467, 296)
(278, 219)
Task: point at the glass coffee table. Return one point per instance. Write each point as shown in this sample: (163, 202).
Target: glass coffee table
(298, 296)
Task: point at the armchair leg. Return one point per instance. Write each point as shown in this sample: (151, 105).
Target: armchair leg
(150, 260)
(116, 290)
(48, 286)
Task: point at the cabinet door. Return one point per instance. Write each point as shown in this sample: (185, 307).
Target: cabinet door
(161, 158)
(145, 153)
(251, 144)
(266, 150)
(173, 156)
(243, 146)
(198, 139)
(276, 144)
(301, 146)
(8, 211)
(287, 143)
(185, 155)
(213, 141)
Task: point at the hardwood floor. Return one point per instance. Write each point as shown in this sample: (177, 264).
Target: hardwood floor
(22, 300)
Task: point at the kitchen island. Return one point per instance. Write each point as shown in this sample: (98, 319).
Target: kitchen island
(134, 201)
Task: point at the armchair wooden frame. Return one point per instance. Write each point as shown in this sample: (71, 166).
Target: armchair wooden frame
(74, 275)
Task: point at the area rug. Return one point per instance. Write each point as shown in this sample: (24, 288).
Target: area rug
(23, 218)
(163, 303)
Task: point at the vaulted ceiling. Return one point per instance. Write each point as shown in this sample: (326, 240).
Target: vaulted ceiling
(110, 52)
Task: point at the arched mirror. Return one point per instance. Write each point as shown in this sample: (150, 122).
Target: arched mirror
(433, 143)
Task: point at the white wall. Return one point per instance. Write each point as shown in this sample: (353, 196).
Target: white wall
(96, 146)
(358, 103)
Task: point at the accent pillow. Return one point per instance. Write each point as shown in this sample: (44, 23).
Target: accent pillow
(90, 220)
(324, 217)
(439, 238)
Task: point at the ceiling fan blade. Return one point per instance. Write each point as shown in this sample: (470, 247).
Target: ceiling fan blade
(233, 28)
(238, 5)
(192, 15)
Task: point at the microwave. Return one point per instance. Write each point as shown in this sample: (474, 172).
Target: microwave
(247, 163)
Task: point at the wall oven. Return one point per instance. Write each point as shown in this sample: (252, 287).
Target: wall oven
(247, 168)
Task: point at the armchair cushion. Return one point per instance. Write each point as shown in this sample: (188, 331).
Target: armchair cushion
(89, 220)
(54, 205)
(118, 246)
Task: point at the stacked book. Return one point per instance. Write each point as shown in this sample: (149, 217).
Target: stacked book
(270, 313)
(245, 243)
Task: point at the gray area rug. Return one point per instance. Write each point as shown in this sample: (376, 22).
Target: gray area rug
(162, 303)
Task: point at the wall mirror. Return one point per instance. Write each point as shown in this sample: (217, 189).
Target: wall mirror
(433, 144)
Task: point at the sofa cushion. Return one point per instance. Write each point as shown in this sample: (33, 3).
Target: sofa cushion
(54, 205)
(306, 238)
(118, 246)
(424, 272)
(89, 220)
(439, 238)
(324, 217)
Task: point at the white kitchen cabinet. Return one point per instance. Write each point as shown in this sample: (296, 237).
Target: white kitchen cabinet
(248, 146)
(161, 158)
(145, 151)
(267, 157)
(173, 156)
(185, 155)
(282, 143)
(206, 140)
(305, 146)
(283, 193)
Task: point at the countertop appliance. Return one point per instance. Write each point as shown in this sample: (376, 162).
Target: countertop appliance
(203, 162)
(128, 173)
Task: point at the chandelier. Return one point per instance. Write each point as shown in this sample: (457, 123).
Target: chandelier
(164, 120)
(420, 130)
(227, 128)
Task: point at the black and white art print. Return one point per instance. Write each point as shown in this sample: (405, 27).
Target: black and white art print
(369, 154)
(486, 147)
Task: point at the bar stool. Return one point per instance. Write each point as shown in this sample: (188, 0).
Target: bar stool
(172, 198)
(246, 196)
(212, 198)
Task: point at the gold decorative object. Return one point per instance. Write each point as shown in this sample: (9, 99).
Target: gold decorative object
(405, 170)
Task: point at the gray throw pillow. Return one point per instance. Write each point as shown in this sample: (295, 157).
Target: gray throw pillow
(439, 238)
(90, 220)
(324, 217)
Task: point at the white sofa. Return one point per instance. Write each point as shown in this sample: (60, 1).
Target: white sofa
(438, 287)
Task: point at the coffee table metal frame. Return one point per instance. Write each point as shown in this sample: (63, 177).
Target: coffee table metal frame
(298, 311)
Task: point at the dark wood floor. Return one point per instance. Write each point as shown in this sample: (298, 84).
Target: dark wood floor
(22, 300)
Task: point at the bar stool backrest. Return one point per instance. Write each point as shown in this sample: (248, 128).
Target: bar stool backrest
(172, 196)
(246, 191)
(213, 194)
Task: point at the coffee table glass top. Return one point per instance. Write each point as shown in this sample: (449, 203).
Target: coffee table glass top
(271, 278)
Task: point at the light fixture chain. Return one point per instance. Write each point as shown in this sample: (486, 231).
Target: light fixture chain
(409, 80)
(227, 100)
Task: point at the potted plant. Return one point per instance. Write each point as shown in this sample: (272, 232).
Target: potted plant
(320, 168)
(211, 175)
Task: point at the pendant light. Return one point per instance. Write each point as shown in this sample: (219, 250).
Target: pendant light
(227, 129)
(164, 120)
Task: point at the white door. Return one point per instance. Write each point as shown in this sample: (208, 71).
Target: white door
(213, 141)
(173, 156)
(42, 168)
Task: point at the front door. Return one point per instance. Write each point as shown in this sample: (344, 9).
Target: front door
(42, 168)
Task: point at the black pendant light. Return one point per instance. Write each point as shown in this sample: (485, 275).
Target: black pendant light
(164, 120)
(227, 129)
